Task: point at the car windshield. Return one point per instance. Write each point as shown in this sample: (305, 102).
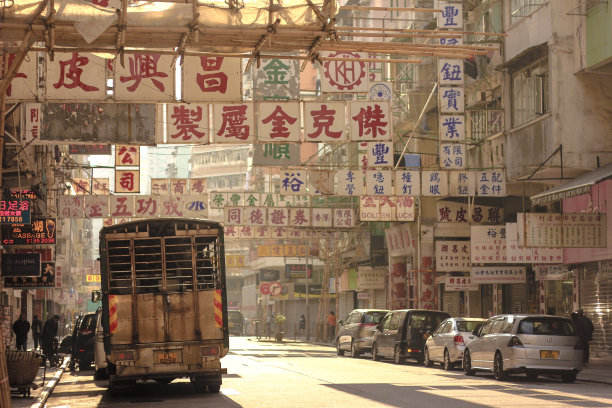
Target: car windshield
(373, 317)
(426, 321)
(468, 326)
(549, 326)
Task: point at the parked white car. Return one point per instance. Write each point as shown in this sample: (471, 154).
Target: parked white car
(447, 342)
(530, 344)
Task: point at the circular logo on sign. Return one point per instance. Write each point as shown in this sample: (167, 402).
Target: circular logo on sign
(344, 75)
(275, 289)
(380, 92)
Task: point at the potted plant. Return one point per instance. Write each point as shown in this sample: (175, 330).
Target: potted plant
(279, 323)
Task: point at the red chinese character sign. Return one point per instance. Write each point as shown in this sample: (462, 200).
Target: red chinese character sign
(96, 206)
(121, 206)
(145, 77)
(23, 85)
(370, 121)
(127, 155)
(278, 122)
(349, 75)
(33, 120)
(187, 123)
(147, 206)
(70, 206)
(76, 75)
(208, 79)
(127, 181)
(324, 122)
(233, 123)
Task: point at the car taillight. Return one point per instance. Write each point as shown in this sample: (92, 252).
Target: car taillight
(209, 351)
(459, 340)
(515, 342)
(124, 356)
(86, 332)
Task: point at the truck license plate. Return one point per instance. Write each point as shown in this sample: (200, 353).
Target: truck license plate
(168, 357)
(549, 354)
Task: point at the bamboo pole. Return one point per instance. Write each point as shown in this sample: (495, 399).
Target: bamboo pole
(372, 8)
(412, 30)
(121, 27)
(317, 12)
(398, 35)
(262, 40)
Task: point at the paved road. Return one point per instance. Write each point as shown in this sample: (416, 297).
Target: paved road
(292, 375)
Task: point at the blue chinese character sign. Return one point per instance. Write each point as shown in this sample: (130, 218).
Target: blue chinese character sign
(450, 72)
(452, 99)
(380, 154)
(452, 156)
(293, 182)
(349, 182)
(450, 14)
(452, 128)
(462, 183)
(378, 182)
(491, 183)
(407, 183)
(453, 39)
(434, 183)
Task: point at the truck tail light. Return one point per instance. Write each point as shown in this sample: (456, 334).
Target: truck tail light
(125, 356)
(209, 351)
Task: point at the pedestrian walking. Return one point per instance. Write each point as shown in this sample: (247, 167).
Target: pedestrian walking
(588, 333)
(21, 327)
(36, 331)
(302, 326)
(331, 325)
(49, 332)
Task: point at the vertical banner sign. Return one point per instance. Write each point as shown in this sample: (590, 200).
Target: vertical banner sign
(451, 15)
(211, 79)
(462, 183)
(276, 79)
(407, 183)
(145, 77)
(380, 154)
(379, 182)
(452, 100)
(33, 120)
(293, 182)
(434, 183)
(348, 75)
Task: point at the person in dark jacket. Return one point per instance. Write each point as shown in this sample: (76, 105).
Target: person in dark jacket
(49, 333)
(36, 331)
(21, 328)
(588, 328)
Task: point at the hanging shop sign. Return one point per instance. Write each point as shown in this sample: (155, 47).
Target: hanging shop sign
(297, 271)
(498, 274)
(522, 255)
(39, 232)
(449, 211)
(90, 149)
(452, 256)
(488, 244)
(15, 211)
(562, 230)
(370, 278)
(459, 283)
(18, 265)
(345, 75)
(312, 289)
(269, 275)
(552, 272)
(209, 79)
(276, 79)
(98, 186)
(276, 154)
(399, 240)
(46, 279)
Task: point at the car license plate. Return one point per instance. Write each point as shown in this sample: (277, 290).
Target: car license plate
(168, 357)
(549, 354)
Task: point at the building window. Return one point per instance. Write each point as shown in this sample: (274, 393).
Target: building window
(523, 8)
(530, 93)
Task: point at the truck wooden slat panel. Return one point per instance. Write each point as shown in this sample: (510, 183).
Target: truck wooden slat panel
(150, 312)
(181, 317)
(123, 332)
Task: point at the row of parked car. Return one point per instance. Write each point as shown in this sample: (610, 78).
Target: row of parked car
(503, 344)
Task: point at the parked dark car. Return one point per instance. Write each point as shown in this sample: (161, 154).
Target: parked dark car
(356, 332)
(235, 322)
(83, 340)
(402, 334)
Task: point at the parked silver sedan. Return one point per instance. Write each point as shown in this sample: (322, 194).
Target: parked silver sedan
(447, 342)
(530, 344)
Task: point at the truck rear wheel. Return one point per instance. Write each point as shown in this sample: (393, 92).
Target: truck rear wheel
(214, 389)
(200, 384)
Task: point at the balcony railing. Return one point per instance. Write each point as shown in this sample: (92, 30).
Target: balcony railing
(485, 123)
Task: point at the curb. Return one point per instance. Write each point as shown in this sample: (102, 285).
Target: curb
(46, 392)
(591, 380)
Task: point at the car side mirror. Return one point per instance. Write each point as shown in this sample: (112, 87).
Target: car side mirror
(96, 296)
(476, 331)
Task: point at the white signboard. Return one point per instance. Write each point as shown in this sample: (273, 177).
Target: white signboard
(453, 156)
(459, 283)
(278, 122)
(452, 100)
(498, 274)
(344, 217)
(324, 122)
(488, 244)
(322, 217)
(70, 206)
(562, 230)
(147, 206)
(491, 183)
(349, 182)
(552, 273)
(299, 217)
(211, 79)
(453, 256)
(121, 206)
(462, 183)
(96, 206)
(255, 216)
(522, 255)
(451, 15)
(399, 240)
(293, 182)
(370, 121)
(404, 210)
(450, 71)
(380, 154)
(278, 217)
(33, 120)
(187, 123)
(145, 77)
(449, 211)
(195, 206)
(76, 76)
(24, 83)
(370, 278)
(233, 123)
(434, 183)
(452, 128)
(345, 75)
(379, 182)
(407, 183)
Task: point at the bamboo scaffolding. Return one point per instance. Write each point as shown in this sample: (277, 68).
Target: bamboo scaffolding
(373, 8)
(412, 30)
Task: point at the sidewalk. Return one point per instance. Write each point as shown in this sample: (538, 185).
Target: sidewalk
(599, 371)
(17, 400)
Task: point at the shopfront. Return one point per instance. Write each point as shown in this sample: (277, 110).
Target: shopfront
(557, 285)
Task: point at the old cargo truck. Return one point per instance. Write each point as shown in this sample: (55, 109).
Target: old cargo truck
(164, 303)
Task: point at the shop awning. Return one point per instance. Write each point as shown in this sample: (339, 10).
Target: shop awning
(579, 186)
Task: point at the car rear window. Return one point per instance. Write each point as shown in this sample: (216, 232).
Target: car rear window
(546, 326)
(468, 326)
(426, 321)
(89, 322)
(373, 317)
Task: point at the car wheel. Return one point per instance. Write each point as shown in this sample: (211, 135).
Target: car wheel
(397, 358)
(532, 376)
(199, 385)
(214, 389)
(467, 364)
(375, 355)
(568, 377)
(447, 363)
(354, 352)
(498, 367)
(426, 361)
(338, 350)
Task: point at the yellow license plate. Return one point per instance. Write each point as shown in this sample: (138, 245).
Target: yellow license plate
(170, 357)
(549, 354)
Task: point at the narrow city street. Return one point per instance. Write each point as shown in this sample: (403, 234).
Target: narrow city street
(269, 374)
